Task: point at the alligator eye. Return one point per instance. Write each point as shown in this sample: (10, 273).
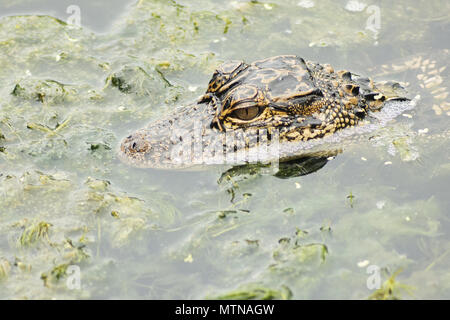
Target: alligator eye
(246, 114)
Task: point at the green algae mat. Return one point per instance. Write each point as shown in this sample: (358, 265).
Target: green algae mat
(77, 223)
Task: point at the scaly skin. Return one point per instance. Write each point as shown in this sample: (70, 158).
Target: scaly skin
(283, 99)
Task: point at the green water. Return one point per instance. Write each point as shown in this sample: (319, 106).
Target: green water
(66, 200)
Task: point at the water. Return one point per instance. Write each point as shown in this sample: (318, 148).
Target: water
(66, 200)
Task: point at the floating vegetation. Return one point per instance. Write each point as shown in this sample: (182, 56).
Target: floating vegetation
(69, 95)
(75, 253)
(391, 289)
(291, 250)
(134, 79)
(35, 232)
(256, 292)
(55, 274)
(406, 151)
(351, 198)
(45, 91)
(5, 268)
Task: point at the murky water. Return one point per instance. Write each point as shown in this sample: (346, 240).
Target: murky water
(75, 222)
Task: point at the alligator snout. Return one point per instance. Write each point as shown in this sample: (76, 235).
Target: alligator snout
(135, 144)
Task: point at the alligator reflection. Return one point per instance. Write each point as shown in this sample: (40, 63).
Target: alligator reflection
(284, 170)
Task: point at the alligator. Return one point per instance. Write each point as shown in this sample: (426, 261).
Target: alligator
(276, 109)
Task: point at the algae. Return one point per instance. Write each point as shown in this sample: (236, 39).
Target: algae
(69, 95)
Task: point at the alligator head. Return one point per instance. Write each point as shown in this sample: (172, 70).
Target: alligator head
(248, 110)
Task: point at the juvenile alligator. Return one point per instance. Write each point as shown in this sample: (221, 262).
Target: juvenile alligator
(276, 102)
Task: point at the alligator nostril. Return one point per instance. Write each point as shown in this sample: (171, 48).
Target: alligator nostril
(139, 145)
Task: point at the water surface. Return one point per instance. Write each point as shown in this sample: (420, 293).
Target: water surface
(66, 200)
